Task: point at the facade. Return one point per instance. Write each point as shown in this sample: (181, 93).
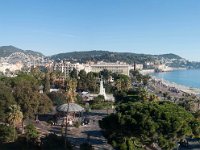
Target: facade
(118, 67)
(121, 68)
(4, 67)
(67, 67)
(139, 66)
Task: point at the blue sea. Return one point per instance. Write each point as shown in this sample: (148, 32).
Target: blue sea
(190, 78)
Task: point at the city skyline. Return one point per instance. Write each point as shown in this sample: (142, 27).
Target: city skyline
(149, 27)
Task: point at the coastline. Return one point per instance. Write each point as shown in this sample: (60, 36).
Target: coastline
(170, 84)
(182, 88)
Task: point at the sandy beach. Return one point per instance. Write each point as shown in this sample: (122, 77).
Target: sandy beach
(179, 87)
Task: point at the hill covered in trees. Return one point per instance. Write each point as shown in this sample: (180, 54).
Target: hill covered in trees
(5, 51)
(107, 56)
(170, 59)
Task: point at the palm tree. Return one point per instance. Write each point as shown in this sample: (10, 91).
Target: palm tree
(15, 116)
(71, 90)
(118, 84)
(53, 77)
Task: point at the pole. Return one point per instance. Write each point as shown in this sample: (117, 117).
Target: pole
(66, 125)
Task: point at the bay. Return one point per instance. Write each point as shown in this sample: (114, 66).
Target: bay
(190, 78)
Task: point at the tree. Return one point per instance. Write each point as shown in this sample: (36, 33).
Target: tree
(58, 98)
(37, 73)
(92, 82)
(6, 99)
(47, 83)
(7, 133)
(52, 77)
(144, 95)
(31, 133)
(123, 82)
(56, 78)
(136, 76)
(28, 98)
(145, 79)
(15, 115)
(82, 84)
(74, 73)
(52, 141)
(45, 105)
(105, 73)
(71, 90)
(149, 123)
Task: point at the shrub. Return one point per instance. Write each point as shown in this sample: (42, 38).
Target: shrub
(52, 141)
(7, 133)
(77, 124)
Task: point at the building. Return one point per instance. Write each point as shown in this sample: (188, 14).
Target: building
(67, 67)
(6, 67)
(139, 66)
(119, 67)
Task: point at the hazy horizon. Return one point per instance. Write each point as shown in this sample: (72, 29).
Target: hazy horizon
(147, 27)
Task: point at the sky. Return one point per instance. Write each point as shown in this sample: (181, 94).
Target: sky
(139, 26)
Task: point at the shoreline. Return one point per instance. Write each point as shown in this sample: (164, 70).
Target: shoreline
(180, 87)
(150, 71)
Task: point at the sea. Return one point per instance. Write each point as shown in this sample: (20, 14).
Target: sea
(189, 78)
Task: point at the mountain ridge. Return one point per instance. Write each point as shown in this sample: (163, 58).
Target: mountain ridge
(169, 59)
(101, 55)
(5, 51)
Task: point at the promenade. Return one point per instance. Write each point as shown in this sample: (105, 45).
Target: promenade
(90, 133)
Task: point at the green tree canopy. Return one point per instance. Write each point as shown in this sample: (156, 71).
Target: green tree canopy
(58, 98)
(71, 90)
(6, 133)
(122, 83)
(6, 99)
(28, 97)
(47, 83)
(31, 133)
(146, 123)
(74, 73)
(82, 84)
(92, 82)
(14, 115)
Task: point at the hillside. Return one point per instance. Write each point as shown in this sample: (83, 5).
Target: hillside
(5, 51)
(171, 60)
(107, 56)
(97, 55)
(170, 56)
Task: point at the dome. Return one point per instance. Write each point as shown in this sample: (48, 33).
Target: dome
(71, 107)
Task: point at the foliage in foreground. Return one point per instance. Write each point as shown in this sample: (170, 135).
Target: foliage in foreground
(86, 146)
(52, 141)
(139, 124)
(31, 132)
(7, 133)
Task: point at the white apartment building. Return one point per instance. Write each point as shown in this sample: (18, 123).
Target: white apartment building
(67, 67)
(118, 67)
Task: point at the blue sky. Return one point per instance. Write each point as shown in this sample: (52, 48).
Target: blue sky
(140, 26)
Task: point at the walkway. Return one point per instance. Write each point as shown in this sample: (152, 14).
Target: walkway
(89, 133)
